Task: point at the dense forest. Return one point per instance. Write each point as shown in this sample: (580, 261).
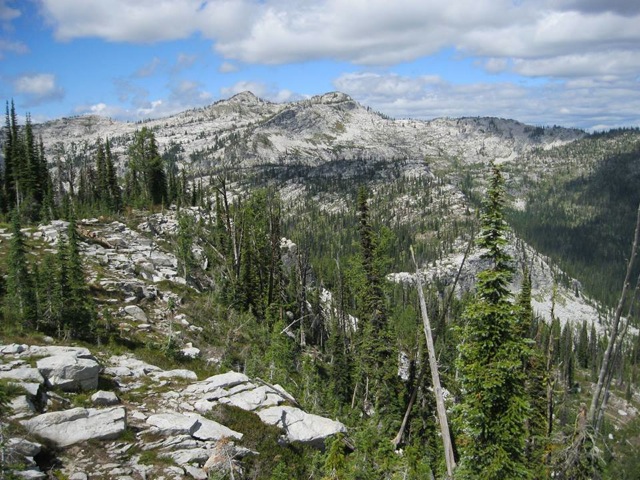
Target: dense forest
(525, 398)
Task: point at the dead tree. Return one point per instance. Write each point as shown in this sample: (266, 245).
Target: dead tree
(598, 402)
(435, 378)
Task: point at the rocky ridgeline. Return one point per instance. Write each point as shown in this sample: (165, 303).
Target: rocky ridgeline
(247, 131)
(146, 413)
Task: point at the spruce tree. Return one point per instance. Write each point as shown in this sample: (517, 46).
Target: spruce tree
(495, 408)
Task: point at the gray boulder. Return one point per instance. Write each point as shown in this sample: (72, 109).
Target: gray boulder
(136, 313)
(69, 372)
(78, 425)
(102, 398)
(300, 426)
(173, 423)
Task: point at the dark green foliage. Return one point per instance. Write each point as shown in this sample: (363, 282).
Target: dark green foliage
(20, 300)
(146, 180)
(583, 214)
(494, 407)
(26, 184)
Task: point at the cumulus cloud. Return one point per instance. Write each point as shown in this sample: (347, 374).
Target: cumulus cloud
(376, 32)
(580, 103)
(38, 88)
(146, 21)
(262, 90)
(137, 104)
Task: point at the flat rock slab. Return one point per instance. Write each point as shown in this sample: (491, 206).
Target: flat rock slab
(250, 400)
(23, 375)
(177, 373)
(78, 425)
(173, 423)
(209, 430)
(225, 380)
(300, 426)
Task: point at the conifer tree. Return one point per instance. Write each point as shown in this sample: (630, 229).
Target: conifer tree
(494, 408)
(20, 299)
(146, 180)
(115, 195)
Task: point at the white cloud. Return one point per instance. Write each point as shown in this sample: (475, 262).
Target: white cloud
(372, 32)
(8, 13)
(227, 67)
(184, 61)
(136, 104)
(262, 90)
(38, 88)
(148, 69)
(12, 47)
(578, 103)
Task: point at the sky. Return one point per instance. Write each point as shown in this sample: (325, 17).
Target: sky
(573, 63)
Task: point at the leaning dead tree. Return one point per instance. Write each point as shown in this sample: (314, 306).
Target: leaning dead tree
(435, 378)
(598, 402)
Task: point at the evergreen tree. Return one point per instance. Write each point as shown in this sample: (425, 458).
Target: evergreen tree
(494, 409)
(114, 195)
(146, 180)
(20, 299)
(77, 311)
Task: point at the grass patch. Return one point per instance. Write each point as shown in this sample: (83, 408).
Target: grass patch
(153, 457)
(290, 460)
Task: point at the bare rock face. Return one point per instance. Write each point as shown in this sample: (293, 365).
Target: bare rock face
(300, 426)
(69, 372)
(78, 425)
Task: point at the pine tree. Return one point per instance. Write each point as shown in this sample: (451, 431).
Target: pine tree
(494, 409)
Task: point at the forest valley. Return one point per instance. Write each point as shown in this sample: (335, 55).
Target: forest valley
(432, 380)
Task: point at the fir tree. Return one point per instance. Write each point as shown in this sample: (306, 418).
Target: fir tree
(494, 408)
(20, 299)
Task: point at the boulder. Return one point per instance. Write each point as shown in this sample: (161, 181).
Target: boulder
(102, 398)
(173, 423)
(300, 426)
(23, 375)
(67, 427)
(190, 352)
(22, 407)
(177, 373)
(12, 349)
(209, 430)
(69, 372)
(225, 380)
(136, 313)
(260, 397)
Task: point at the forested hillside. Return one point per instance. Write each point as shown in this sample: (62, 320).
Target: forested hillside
(270, 244)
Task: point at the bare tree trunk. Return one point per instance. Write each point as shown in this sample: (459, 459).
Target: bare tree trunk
(435, 378)
(597, 404)
(398, 438)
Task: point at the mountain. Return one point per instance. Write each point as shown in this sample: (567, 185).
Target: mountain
(249, 131)
(249, 294)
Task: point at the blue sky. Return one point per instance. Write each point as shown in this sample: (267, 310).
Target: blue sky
(544, 62)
